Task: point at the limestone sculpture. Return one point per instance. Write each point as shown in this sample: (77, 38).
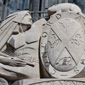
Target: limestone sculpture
(19, 48)
(66, 7)
(58, 43)
(62, 47)
(10, 63)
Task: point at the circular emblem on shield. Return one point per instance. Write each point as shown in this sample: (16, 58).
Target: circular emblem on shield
(62, 45)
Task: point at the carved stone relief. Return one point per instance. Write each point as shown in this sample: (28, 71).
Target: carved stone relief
(59, 83)
(19, 48)
(62, 51)
(63, 7)
(62, 48)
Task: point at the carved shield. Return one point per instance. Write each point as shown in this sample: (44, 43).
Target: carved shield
(62, 45)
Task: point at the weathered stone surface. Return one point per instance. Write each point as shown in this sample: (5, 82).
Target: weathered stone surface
(10, 63)
(55, 82)
(3, 82)
(61, 49)
(34, 34)
(62, 45)
(63, 7)
(19, 44)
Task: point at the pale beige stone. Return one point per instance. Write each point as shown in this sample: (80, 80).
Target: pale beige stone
(80, 81)
(62, 48)
(63, 7)
(19, 57)
(62, 45)
(58, 42)
(10, 63)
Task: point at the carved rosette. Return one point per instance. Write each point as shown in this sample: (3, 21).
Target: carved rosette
(62, 46)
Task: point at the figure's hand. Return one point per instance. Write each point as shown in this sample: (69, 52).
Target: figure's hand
(13, 61)
(16, 62)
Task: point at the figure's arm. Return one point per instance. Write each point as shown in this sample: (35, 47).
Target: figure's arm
(33, 34)
(13, 61)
